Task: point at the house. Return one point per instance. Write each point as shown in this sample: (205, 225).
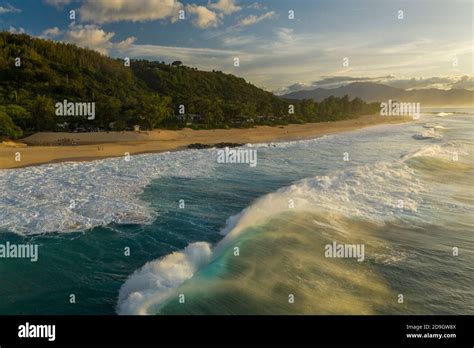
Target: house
(63, 125)
(190, 118)
(195, 118)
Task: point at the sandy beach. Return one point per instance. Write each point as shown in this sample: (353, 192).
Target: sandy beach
(52, 147)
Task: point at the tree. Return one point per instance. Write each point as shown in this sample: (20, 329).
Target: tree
(108, 110)
(308, 109)
(119, 126)
(18, 114)
(155, 109)
(42, 111)
(8, 129)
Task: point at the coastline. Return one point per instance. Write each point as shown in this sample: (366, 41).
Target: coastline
(41, 148)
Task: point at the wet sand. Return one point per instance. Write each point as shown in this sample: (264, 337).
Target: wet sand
(49, 147)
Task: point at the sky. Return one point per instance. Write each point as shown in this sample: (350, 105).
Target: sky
(405, 44)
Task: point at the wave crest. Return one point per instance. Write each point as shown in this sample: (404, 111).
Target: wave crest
(156, 280)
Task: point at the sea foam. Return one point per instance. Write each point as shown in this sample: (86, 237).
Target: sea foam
(76, 196)
(156, 280)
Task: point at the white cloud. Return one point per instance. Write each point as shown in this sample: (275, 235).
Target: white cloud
(257, 6)
(51, 33)
(225, 6)
(126, 43)
(237, 40)
(252, 19)
(205, 18)
(14, 30)
(283, 34)
(129, 10)
(203, 58)
(94, 37)
(9, 9)
(90, 36)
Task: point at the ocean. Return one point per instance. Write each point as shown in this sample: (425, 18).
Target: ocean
(180, 233)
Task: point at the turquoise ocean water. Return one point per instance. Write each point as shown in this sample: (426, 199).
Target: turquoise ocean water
(405, 192)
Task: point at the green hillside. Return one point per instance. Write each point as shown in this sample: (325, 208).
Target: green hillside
(146, 93)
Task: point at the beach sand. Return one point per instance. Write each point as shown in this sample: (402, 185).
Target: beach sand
(51, 147)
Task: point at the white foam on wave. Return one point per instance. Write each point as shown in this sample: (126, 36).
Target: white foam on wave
(38, 199)
(445, 151)
(370, 192)
(433, 126)
(155, 281)
(430, 133)
(443, 114)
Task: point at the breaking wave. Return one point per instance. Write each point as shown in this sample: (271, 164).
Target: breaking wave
(73, 196)
(370, 193)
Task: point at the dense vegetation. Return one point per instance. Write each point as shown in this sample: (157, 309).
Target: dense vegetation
(149, 94)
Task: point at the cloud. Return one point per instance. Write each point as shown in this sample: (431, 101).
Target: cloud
(295, 87)
(90, 36)
(205, 18)
(252, 19)
(225, 6)
(204, 58)
(312, 55)
(58, 3)
(237, 40)
(129, 10)
(457, 82)
(257, 6)
(283, 34)
(337, 81)
(9, 9)
(126, 43)
(466, 82)
(93, 37)
(51, 33)
(14, 30)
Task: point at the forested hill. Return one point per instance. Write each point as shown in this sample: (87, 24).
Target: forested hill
(35, 74)
(189, 86)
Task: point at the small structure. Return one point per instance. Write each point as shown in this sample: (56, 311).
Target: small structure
(63, 125)
(136, 128)
(195, 118)
(190, 118)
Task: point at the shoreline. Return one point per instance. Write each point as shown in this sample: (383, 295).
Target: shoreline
(101, 145)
